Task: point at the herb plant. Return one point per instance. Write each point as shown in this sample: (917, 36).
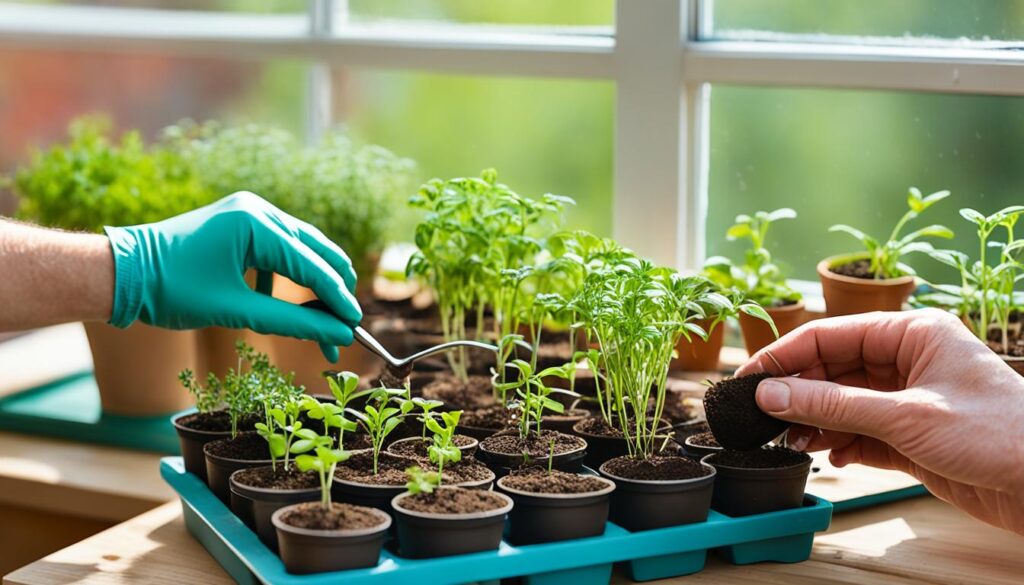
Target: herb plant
(380, 420)
(241, 390)
(534, 395)
(759, 278)
(885, 256)
(323, 461)
(443, 448)
(986, 298)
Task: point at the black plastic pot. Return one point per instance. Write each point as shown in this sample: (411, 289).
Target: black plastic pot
(255, 506)
(600, 448)
(744, 491)
(306, 551)
(564, 423)
(501, 463)
(644, 505)
(192, 443)
(380, 496)
(219, 470)
(698, 451)
(478, 433)
(423, 535)
(538, 517)
(467, 450)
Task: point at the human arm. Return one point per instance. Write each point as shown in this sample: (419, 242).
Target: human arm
(913, 391)
(188, 271)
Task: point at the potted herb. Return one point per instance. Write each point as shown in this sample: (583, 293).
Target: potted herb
(638, 312)
(986, 299)
(94, 180)
(552, 505)
(530, 442)
(323, 536)
(876, 279)
(373, 477)
(434, 521)
(760, 281)
(245, 392)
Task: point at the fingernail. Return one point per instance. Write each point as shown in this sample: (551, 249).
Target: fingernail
(800, 441)
(773, 396)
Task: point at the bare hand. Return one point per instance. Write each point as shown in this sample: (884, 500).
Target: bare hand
(913, 391)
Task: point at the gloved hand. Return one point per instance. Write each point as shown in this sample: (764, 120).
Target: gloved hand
(188, 271)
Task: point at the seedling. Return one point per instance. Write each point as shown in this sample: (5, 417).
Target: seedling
(534, 395)
(345, 388)
(324, 461)
(443, 448)
(422, 482)
(759, 278)
(426, 411)
(986, 297)
(379, 419)
(885, 256)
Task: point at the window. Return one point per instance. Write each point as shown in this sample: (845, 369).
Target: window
(680, 112)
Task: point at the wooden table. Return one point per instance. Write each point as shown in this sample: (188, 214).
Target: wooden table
(921, 540)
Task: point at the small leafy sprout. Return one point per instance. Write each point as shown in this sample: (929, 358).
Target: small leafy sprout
(985, 298)
(344, 387)
(379, 419)
(208, 398)
(324, 461)
(426, 407)
(534, 394)
(330, 415)
(422, 482)
(442, 448)
(885, 256)
(759, 278)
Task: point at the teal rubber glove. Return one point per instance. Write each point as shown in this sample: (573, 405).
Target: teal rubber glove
(189, 271)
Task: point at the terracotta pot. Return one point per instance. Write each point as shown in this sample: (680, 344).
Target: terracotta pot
(845, 295)
(698, 355)
(215, 349)
(758, 334)
(137, 368)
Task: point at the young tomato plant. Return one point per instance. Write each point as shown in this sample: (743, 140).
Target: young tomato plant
(442, 448)
(885, 256)
(323, 461)
(759, 278)
(379, 419)
(985, 298)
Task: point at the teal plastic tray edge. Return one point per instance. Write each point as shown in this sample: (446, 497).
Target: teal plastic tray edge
(616, 545)
(151, 433)
(882, 498)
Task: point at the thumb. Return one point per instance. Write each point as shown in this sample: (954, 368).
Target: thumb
(827, 405)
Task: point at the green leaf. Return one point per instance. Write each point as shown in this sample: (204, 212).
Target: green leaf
(783, 213)
(738, 231)
(972, 216)
(868, 242)
(758, 312)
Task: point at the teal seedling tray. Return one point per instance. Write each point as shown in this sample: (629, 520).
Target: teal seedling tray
(69, 408)
(785, 536)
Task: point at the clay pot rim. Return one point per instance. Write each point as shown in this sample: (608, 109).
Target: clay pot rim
(232, 482)
(397, 500)
(806, 462)
(582, 447)
(664, 482)
(385, 523)
(184, 429)
(824, 272)
(609, 488)
(687, 443)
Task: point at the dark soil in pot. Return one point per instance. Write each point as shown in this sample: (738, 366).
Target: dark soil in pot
(680, 408)
(355, 482)
(759, 480)
(449, 521)
(417, 446)
(226, 456)
(258, 492)
(484, 422)
(856, 269)
(197, 429)
(565, 421)
(701, 444)
(458, 395)
(604, 441)
(734, 416)
(555, 506)
(507, 451)
(315, 540)
(658, 492)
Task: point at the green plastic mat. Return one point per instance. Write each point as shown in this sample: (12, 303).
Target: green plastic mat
(69, 408)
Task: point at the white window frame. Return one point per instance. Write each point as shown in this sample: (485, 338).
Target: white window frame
(657, 57)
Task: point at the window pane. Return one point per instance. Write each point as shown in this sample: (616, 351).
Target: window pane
(40, 92)
(256, 6)
(946, 19)
(849, 157)
(541, 135)
(560, 12)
